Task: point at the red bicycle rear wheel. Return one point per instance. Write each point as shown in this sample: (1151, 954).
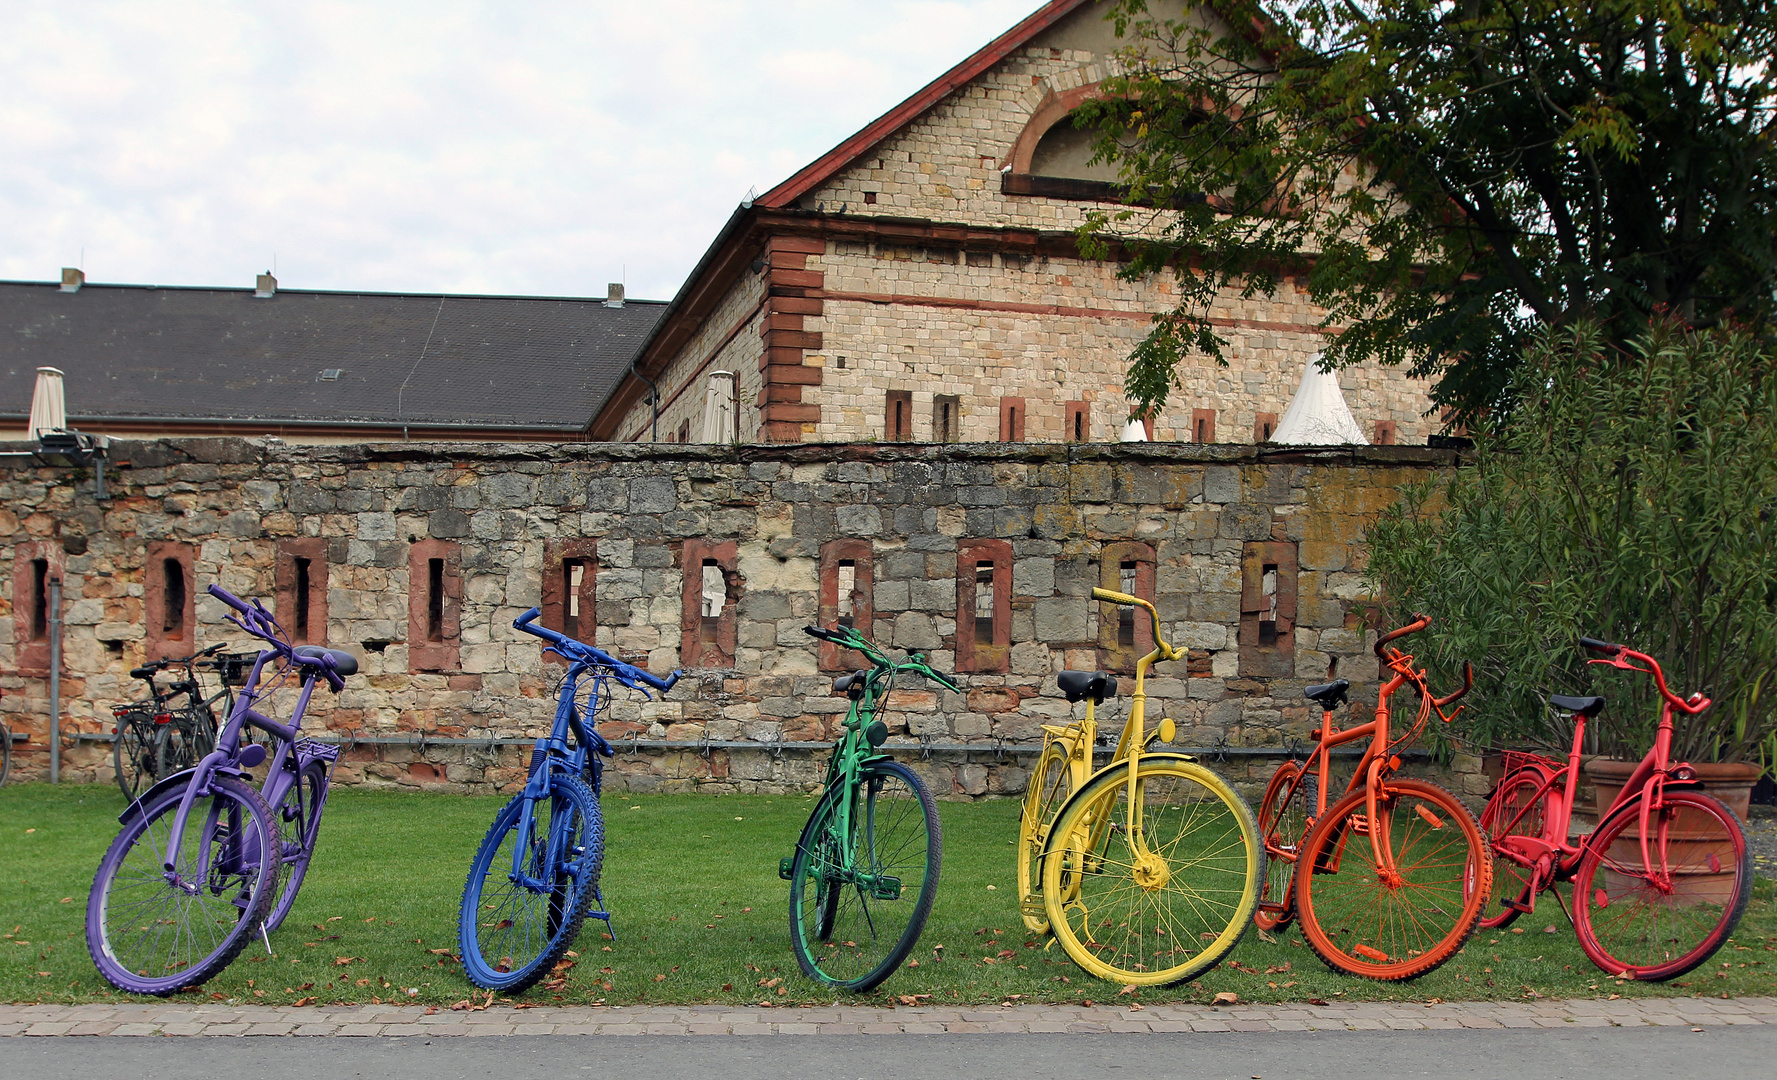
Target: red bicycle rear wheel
(1519, 807)
(1657, 917)
(1290, 798)
(1363, 920)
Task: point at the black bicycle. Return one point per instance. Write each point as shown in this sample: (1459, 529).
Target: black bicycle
(176, 727)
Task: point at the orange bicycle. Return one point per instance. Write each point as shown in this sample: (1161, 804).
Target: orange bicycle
(1398, 866)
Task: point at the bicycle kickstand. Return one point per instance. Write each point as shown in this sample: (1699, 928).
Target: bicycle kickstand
(601, 913)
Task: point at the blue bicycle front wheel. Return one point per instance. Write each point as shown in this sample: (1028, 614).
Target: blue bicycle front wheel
(529, 887)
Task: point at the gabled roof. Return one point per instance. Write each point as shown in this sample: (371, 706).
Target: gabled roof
(193, 355)
(833, 161)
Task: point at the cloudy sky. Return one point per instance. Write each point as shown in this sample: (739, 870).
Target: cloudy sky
(528, 147)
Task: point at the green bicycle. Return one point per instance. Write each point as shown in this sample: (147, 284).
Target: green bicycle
(865, 871)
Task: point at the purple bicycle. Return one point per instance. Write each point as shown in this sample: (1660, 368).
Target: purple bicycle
(205, 861)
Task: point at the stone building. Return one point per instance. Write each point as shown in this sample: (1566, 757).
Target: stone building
(921, 282)
(416, 558)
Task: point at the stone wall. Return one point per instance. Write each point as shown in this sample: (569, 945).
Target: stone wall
(1020, 532)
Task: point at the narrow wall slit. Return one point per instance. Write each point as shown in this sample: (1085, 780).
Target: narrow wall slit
(984, 602)
(1125, 614)
(434, 599)
(39, 599)
(173, 613)
(848, 585)
(301, 615)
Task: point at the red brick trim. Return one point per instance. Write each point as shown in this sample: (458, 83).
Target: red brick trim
(897, 416)
(961, 303)
(1276, 658)
(1385, 433)
(862, 555)
(1203, 426)
(1077, 423)
(980, 656)
(31, 640)
(694, 651)
(1263, 425)
(1013, 415)
(789, 283)
(440, 651)
(1113, 655)
(314, 549)
(557, 555)
(1054, 108)
(171, 619)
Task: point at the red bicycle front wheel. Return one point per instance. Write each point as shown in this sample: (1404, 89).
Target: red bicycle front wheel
(1657, 916)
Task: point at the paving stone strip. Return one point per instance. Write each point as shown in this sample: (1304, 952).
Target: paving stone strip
(372, 1020)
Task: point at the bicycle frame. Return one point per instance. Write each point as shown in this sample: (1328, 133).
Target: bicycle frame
(1130, 743)
(857, 745)
(1559, 860)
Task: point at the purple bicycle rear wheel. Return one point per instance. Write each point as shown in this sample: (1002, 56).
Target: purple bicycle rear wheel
(154, 932)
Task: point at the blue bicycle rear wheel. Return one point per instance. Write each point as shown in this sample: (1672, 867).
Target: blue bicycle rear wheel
(513, 927)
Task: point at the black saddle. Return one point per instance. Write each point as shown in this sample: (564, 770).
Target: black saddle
(1330, 695)
(1585, 706)
(1079, 685)
(844, 683)
(344, 663)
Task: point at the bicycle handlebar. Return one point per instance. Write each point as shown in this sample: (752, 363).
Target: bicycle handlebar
(851, 638)
(1468, 683)
(1420, 622)
(627, 674)
(1622, 656)
(1109, 596)
(1604, 647)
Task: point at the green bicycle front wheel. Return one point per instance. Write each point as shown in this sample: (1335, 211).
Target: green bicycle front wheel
(864, 877)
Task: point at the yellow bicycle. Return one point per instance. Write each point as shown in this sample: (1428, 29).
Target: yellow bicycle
(1147, 870)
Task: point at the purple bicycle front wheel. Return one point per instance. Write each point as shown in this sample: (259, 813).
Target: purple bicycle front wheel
(151, 932)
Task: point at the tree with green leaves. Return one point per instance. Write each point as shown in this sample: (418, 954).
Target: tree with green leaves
(1445, 178)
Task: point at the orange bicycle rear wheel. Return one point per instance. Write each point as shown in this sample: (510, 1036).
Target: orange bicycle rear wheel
(1363, 918)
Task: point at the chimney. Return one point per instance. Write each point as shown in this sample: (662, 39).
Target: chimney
(614, 294)
(72, 279)
(265, 286)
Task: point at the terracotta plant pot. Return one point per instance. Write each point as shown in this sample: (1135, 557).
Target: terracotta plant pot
(1731, 782)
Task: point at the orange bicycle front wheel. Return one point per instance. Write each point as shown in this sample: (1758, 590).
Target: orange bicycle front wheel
(1400, 916)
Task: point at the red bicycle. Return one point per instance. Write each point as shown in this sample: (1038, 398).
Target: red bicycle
(1660, 883)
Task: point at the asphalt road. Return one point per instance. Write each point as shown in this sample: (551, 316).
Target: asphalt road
(1592, 1053)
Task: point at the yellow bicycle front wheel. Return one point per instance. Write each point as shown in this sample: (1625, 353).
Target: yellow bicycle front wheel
(1172, 909)
(1051, 782)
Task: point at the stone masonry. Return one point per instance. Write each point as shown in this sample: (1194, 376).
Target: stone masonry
(1017, 535)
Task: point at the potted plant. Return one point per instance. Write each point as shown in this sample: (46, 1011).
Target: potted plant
(1629, 495)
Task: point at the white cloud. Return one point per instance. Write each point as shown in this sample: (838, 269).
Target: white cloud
(451, 146)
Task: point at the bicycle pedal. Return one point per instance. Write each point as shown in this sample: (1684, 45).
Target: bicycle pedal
(786, 867)
(1518, 906)
(886, 888)
(1359, 823)
(1033, 908)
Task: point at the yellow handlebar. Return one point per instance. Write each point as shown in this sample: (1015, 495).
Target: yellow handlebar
(1166, 652)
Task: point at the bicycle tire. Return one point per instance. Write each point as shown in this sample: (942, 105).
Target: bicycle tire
(1500, 818)
(1200, 882)
(229, 843)
(529, 928)
(1050, 784)
(1645, 935)
(1291, 797)
(848, 935)
(134, 753)
(1357, 923)
(298, 816)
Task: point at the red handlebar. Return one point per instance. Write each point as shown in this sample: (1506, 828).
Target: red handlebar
(1420, 622)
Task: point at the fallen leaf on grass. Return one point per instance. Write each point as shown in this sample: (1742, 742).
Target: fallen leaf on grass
(1130, 989)
(1317, 1001)
(300, 1002)
(660, 978)
(1227, 997)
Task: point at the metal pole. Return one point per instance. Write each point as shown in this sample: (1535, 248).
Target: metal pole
(55, 680)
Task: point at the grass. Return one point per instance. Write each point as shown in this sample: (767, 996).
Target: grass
(702, 917)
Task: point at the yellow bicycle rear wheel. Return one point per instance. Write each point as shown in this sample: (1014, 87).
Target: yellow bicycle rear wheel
(1051, 782)
(1173, 909)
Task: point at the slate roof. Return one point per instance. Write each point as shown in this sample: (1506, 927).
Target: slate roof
(160, 354)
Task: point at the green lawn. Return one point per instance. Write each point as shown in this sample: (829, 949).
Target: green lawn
(701, 917)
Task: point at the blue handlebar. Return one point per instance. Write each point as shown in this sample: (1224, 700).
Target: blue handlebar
(627, 674)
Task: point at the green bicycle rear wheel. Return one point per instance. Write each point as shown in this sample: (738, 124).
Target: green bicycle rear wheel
(864, 877)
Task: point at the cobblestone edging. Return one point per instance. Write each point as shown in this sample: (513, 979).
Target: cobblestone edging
(366, 1020)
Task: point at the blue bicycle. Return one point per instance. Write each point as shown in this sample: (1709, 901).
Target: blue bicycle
(536, 874)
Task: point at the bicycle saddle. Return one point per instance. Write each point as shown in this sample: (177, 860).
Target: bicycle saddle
(1097, 685)
(1585, 706)
(146, 672)
(1330, 695)
(844, 683)
(344, 663)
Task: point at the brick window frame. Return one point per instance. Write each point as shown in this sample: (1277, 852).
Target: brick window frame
(1385, 433)
(1114, 654)
(1264, 426)
(558, 557)
(897, 416)
(306, 627)
(1077, 423)
(434, 622)
(861, 554)
(1267, 652)
(694, 650)
(1012, 418)
(30, 606)
(1203, 426)
(947, 418)
(983, 656)
(169, 606)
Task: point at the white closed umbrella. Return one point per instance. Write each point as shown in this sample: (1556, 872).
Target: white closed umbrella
(718, 408)
(1318, 416)
(49, 409)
